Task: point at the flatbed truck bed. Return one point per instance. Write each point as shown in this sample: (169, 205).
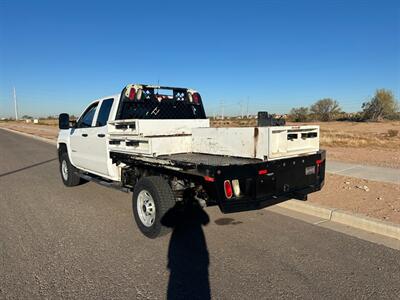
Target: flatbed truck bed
(160, 146)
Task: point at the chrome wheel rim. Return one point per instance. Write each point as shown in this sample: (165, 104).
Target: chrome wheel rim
(64, 170)
(146, 208)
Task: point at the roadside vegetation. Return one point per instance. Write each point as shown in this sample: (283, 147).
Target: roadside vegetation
(382, 106)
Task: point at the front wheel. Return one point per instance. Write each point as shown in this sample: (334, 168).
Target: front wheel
(68, 172)
(152, 198)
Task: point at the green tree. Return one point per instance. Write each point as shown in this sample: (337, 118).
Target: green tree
(382, 105)
(300, 114)
(325, 109)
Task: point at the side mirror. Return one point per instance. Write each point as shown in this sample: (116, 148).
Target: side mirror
(63, 121)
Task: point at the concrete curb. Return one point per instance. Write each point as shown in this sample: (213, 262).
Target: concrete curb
(339, 216)
(49, 141)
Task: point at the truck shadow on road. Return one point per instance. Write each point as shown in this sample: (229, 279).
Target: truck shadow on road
(28, 167)
(188, 257)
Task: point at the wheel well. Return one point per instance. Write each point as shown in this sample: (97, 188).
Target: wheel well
(61, 149)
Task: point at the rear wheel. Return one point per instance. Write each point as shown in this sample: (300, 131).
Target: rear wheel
(69, 174)
(152, 198)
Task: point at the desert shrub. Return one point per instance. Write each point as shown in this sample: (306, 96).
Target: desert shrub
(392, 132)
(325, 109)
(351, 117)
(300, 114)
(382, 105)
(394, 117)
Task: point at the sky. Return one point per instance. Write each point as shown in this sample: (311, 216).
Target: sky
(241, 55)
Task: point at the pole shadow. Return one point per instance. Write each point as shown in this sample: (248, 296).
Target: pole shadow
(188, 257)
(28, 167)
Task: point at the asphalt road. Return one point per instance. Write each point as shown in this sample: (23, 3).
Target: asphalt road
(58, 242)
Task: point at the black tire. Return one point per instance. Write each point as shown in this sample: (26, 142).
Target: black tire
(71, 177)
(163, 199)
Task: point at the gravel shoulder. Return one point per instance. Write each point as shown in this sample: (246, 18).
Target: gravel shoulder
(375, 157)
(371, 198)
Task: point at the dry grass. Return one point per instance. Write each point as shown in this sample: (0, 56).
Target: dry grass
(334, 138)
(383, 135)
(50, 122)
(377, 135)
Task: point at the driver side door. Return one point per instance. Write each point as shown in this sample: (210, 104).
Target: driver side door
(81, 138)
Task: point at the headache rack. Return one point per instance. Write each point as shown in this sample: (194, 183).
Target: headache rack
(140, 101)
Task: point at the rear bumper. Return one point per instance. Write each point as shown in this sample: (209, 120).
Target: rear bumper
(285, 179)
(262, 202)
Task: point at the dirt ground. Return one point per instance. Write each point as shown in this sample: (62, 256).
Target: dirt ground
(365, 143)
(374, 199)
(46, 131)
(377, 157)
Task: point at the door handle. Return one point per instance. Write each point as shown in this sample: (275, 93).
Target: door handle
(101, 135)
(84, 134)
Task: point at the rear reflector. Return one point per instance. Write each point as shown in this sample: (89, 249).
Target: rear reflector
(236, 187)
(228, 189)
(319, 161)
(262, 172)
(208, 178)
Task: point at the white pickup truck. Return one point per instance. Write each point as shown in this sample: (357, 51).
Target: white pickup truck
(157, 142)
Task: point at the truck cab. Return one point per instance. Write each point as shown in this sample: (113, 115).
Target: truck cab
(86, 141)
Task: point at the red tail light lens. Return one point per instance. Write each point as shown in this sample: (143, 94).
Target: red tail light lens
(132, 93)
(228, 189)
(209, 179)
(319, 161)
(262, 172)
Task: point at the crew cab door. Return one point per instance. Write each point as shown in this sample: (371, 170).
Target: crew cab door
(88, 139)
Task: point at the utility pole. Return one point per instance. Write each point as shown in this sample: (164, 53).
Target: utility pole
(15, 105)
(222, 110)
(241, 109)
(247, 108)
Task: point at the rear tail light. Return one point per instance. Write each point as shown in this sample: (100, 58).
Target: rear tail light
(236, 187)
(132, 93)
(228, 189)
(262, 172)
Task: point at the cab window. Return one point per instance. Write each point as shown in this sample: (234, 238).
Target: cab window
(104, 112)
(87, 117)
